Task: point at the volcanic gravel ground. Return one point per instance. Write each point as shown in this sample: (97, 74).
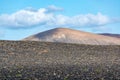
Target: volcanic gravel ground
(32, 60)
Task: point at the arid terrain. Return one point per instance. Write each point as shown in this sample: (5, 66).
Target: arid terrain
(34, 60)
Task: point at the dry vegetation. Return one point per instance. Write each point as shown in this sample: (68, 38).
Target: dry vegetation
(32, 60)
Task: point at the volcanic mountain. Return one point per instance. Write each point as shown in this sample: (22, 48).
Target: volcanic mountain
(65, 35)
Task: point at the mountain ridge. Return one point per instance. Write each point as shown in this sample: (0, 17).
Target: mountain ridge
(111, 35)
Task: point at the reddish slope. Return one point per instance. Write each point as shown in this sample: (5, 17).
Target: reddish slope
(66, 35)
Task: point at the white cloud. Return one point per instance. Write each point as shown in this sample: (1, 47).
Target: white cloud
(45, 16)
(52, 8)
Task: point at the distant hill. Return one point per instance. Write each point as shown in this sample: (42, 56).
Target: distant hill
(66, 35)
(111, 35)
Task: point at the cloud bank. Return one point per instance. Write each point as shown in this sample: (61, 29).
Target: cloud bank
(30, 17)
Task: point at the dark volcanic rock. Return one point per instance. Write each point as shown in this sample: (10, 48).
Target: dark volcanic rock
(32, 60)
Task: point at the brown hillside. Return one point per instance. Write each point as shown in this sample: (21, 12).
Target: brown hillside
(66, 35)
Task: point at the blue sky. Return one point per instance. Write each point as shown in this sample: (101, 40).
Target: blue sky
(22, 18)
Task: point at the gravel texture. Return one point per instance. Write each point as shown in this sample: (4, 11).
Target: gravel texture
(32, 60)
